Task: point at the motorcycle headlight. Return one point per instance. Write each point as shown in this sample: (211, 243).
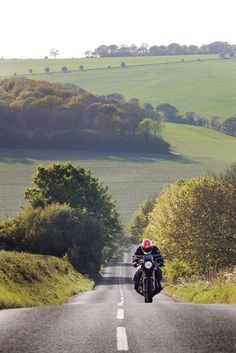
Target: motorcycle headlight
(148, 265)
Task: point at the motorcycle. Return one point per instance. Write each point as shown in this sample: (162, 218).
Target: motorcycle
(148, 286)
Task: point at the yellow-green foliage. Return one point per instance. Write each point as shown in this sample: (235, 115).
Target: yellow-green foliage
(30, 280)
(203, 292)
(195, 220)
(140, 219)
(175, 269)
(221, 290)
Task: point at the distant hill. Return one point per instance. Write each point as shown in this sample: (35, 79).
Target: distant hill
(204, 84)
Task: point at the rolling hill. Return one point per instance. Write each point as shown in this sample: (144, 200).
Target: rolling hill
(205, 86)
(131, 177)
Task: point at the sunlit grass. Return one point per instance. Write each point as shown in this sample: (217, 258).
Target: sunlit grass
(206, 87)
(203, 293)
(130, 177)
(32, 280)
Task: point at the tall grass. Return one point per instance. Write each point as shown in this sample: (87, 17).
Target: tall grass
(30, 280)
(221, 290)
(203, 293)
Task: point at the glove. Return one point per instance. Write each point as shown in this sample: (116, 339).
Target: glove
(135, 264)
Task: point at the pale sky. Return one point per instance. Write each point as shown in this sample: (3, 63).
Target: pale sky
(30, 28)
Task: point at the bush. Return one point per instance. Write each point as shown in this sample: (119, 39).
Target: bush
(56, 230)
(177, 269)
(64, 69)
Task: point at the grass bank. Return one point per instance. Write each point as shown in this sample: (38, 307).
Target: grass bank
(31, 280)
(203, 292)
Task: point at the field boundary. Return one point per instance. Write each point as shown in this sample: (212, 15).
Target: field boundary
(183, 61)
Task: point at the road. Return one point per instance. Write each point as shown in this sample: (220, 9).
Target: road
(114, 318)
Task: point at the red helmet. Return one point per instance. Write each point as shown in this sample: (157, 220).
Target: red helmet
(146, 246)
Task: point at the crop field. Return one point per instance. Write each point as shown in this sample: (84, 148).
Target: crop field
(130, 177)
(22, 66)
(206, 86)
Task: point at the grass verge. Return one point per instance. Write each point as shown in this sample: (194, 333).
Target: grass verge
(33, 280)
(203, 292)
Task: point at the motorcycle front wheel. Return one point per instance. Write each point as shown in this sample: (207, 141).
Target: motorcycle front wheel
(148, 290)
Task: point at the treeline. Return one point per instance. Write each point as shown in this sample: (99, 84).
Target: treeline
(193, 222)
(70, 214)
(167, 112)
(39, 114)
(223, 48)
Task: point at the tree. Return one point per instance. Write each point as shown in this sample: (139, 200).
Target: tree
(149, 127)
(116, 96)
(30, 71)
(229, 126)
(219, 48)
(88, 54)
(123, 65)
(47, 70)
(64, 69)
(66, 184)
(102, 50)
(112, 49)
(54, 52)
(140, 219)
(195, 221)
(168, 110)
(57, 230)
(149, 111)
(174, 49)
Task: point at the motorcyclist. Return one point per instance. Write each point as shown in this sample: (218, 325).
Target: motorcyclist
(148, 248)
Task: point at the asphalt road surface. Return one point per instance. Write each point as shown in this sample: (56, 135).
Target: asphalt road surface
(115, 318)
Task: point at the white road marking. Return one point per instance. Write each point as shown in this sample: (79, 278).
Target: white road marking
(121, 291)
(120, 314)
(122, 344)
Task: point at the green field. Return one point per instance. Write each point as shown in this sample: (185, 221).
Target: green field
(205, 86)
(130, 177)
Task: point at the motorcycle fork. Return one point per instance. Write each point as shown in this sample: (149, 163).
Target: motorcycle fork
(147, 274)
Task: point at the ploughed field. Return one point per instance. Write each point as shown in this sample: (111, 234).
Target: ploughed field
(205, 86)
(130, 177)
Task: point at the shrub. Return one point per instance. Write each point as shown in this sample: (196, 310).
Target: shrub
(176, 269)
(56, 230)
(64, 69)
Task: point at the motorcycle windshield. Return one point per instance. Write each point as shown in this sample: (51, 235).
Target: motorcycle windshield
(148, 258)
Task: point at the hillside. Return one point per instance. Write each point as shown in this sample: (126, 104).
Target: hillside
(40, 114)
(204, 86)
(30, 280)
(130, 176)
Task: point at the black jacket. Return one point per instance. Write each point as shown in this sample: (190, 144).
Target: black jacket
(155, 251)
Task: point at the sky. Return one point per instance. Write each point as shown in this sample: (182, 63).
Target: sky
(31, 28)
